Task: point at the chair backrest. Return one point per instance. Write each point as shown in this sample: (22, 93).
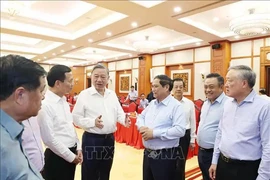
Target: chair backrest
(198, 106)
(138, 101)
(132, 107)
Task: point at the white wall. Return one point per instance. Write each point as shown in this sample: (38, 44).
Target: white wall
(242, 61)
(111, 83)
(256, 69)
(202, 54)
(158, 60)
(135, 74)
(123, 65)
(135, 63)
(156, 71)
(200, 68)
(111, 66)
(179, 57)
(257, 44)
(241, 49)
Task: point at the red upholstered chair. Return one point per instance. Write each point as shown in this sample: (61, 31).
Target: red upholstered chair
(132, 107)
(138, 101)
(198, 106)
(139, 111)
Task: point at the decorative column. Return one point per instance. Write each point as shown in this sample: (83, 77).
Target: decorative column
(144, 74)
(220, 58)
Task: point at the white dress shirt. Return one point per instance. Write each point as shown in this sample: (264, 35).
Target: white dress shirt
(189, 109)
(265, 97)
(56, 126)
(90, 105)
(31, 142)
(132, 95)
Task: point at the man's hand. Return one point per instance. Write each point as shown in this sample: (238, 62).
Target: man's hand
(212, 171)
(127, 121)
(192, 146)
(76, 160)
(80, 156)
(98, 122)
(143, 129)
(147, 134)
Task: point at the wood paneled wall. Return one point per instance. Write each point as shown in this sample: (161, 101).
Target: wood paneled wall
(144, 75)
(264, 65)
(79, 79)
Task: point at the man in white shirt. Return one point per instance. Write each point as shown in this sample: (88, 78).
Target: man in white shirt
(56, 127)
(132, 95)
(143, 101)
(32, 144)
(97, 111)
(189, 139)
(263, 94)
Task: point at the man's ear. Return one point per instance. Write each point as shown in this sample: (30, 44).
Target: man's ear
(20, 95)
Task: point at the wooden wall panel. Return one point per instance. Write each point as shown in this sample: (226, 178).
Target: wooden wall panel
(79, 79)
(144, 74)
(220, 58)
(264, 64)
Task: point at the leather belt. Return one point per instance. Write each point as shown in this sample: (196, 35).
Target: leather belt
(207, 150)
(229, 160)
(104, 136)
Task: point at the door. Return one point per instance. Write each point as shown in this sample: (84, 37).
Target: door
(268, 80)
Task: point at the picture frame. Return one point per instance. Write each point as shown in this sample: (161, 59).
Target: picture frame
(184, 74)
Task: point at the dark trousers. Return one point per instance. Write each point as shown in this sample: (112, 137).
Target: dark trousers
(205, 161)
(98, 152)
(246, 170)
(160, 164)
(57, 168)
(184, 147)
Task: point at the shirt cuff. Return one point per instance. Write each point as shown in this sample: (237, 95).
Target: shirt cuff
(71, 157)
(215, 159)
(192, 140)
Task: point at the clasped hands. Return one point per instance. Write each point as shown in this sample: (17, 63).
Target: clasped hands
(79, 158)
(99, 122)
(146, 133)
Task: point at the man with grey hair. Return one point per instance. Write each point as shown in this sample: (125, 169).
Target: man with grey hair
(97, 111)
(242, 146)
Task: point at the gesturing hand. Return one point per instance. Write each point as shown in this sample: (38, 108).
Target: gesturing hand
(127, 121)
(99, 122)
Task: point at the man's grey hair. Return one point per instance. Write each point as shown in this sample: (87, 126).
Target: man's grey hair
(246, 73)
(101, 66)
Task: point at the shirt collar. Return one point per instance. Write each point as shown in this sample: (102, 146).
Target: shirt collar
(220, 98)
(250, 97)
(53, 97)
(164, 101)
(93, 91)
(13, 127)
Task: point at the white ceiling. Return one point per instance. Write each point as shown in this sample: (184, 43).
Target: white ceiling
(68, 32)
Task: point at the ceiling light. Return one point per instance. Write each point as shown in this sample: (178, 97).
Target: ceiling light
(38, 59)
(14, 8)
(62, 50)
(130, 55)
(94, 56)
(109, 33)
(251, 24)
(53, 54)
(215, 19)
(134, 24)
(127, 42)
(73, 46)
(90, 40)
(236, 37)
(146, 46)
(171, 48)
(45, 57)
(198, 43)
(177, 9)
(264, 32)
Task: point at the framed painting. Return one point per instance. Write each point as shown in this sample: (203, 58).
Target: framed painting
(184, 74)
(124, 83)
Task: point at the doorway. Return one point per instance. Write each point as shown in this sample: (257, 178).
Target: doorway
(89, 83)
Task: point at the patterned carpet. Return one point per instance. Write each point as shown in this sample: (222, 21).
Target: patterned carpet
(194, 174)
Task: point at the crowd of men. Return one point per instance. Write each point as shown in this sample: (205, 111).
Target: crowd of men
(233, 133)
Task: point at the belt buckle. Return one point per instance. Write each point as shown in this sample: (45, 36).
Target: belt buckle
(225, 159)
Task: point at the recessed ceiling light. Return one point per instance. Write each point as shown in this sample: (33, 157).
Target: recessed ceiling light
(38, 59)
(134, 24)
(73, 46)
(172, 48)
(215, 19)
(45, 57)
(264, 32)
(127, 42)
(62, 50)
(177, 9)
(236, 37)
(90, 40)
(109, 33)
(116, 58)
(130, 55)
(198, 43)
(53, 54)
